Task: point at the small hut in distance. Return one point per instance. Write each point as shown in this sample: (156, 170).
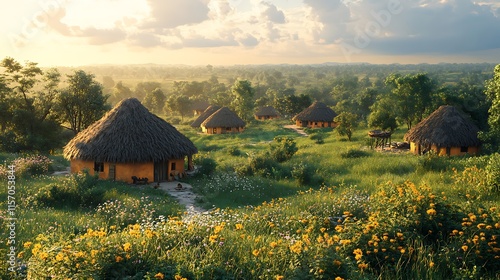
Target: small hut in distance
(446, 131)
(316, 115)
(266, 113)
(199, 107)
(127, 142)
(223, 121)
(203, 116)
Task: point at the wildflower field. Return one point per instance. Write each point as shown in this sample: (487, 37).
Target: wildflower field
(332, 210)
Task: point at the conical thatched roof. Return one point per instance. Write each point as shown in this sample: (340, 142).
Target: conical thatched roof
(129, 133)
(223, 118)
(445, 127)
(267, 111)
(318, 112)
(203, 116)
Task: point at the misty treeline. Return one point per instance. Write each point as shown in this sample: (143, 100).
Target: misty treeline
(383, 97)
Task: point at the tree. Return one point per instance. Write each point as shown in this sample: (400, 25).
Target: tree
(292, 104)
(346, 123)
(82, 102)
(119, 92)
(27, 100)
(155, 100)
(493, 94)
(143, 88)
(412, 95)
(243, 102)
(383, 116)
(178, 103)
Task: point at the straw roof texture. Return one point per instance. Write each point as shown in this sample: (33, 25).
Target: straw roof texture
(203, 116)
(318, 111)
(445, 127)
(223, 118)
(129, 133)
(267, 111)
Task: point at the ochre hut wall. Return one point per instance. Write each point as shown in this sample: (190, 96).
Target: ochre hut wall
(123, 171)
(222, 130)
(443, 151)
(263, 118)
(312, 124)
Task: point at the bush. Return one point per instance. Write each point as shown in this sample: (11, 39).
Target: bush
(234, 151)
(493, 172)
(32, 165)
(319, 138)
(432, 162)
(303, 173)
(283, 148)
(354, 153)
(206, 165)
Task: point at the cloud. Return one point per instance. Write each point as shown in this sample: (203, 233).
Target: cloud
(272, 13)
(174, 13)
(407, 26)
(201, 42)
(146, 40)
(249, 41)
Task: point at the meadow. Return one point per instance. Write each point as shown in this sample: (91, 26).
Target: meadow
(332, 209)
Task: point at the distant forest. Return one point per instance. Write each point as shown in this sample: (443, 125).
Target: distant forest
(379, 96)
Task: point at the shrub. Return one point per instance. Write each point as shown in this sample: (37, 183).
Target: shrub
(32, 165)
(303, 173)
(493, 172)
(319, 138)
(432, 162)
(354, 153)
(234, 151)
(283, 148)
(205, 164)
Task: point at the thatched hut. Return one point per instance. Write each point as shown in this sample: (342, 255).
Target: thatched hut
(446, 131)
(130, 141)
(203, 116)
(223, 121)
(199, 107)
(316, 115)
(266, 113)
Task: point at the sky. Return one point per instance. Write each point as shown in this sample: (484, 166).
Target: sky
(228, 32)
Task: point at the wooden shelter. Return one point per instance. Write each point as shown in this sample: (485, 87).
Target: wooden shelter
(316, 115)
(203, 116)
(266, 113)
(223, 121)
(130, 141)
(446, 131)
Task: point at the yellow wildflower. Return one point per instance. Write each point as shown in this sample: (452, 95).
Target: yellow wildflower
(159, 275)
(27, 244)
(239, 226)
(59, 257)
(256, 252)
(273, 244)
(118, 259)
(280, 277)
(127, 247)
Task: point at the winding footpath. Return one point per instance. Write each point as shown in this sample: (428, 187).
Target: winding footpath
(185, 197)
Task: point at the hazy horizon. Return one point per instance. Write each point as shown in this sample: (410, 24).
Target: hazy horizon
(251, 32)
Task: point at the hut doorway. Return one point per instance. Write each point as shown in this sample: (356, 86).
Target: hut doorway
(161, 171)
(112, 171)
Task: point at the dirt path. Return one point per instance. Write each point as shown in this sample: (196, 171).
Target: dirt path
(185, 196)
(297, 129)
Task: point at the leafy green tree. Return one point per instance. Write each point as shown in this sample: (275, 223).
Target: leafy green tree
(292, 104)
(412, 96)
(155, 100)
(82, 102)
(120, 92)
(493, 93)
(243, 102)
(178, 103)
(283, 148)
(383, 116)
(347, 122)
(27, 100)
(143, 88)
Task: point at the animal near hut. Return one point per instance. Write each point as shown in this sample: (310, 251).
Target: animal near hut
(129, 141)
(223, 121)
(316, 115)
(446, 131)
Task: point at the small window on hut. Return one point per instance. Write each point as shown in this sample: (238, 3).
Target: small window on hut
(228, 129)
(172, 166)
(464, 149)
(99, 166)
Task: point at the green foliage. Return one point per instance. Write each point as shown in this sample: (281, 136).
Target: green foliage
(493, 173)
(493, 94)
(155, 101)
(291, 105)
(303, 173)
(432, 162)
(205, 164)
(31, 165)
(317, 136)
(83, 102)
(354, 153)
(347, 122)
(243, 102)
(383, 116)
(283, 148)
(178, 103)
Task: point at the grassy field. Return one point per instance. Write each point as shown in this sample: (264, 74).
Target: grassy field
(335, 210)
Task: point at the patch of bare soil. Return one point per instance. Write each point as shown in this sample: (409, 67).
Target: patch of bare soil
(184, 195)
